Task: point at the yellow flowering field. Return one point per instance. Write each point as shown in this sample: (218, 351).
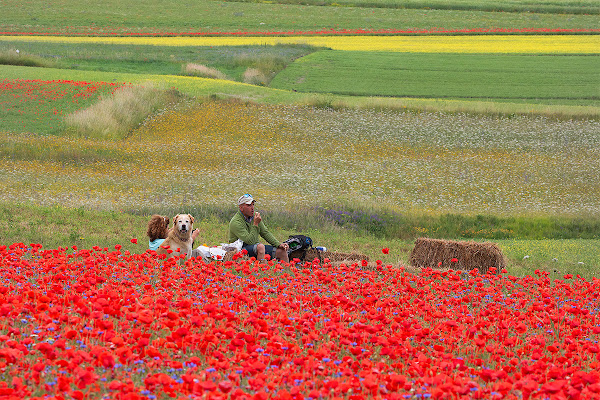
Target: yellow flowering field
(567, 44)
(290, 156)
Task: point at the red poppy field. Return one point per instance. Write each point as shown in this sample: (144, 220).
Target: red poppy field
(30, 104)
(107, 323)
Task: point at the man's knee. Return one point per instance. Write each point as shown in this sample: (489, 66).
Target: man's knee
(282, 254)
(260, 251)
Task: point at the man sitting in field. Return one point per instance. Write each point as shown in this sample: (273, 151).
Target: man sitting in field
(248, 226)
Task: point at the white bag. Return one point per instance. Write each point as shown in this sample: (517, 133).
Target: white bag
(235, 246)
(208, 253)
(217, 253)
(202, 251)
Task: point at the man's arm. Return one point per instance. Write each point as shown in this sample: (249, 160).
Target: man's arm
(267, 235)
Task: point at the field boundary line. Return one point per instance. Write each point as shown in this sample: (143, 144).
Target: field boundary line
(330, 32)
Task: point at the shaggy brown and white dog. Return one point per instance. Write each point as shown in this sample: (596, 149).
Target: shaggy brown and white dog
(179, 240)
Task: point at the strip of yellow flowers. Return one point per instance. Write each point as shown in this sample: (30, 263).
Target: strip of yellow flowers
(565, 44)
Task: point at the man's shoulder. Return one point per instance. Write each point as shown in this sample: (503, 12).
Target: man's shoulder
(237, 217)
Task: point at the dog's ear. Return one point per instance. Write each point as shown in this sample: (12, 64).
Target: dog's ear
(191, 218)
(175, 219)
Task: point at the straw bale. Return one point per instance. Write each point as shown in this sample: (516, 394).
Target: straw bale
(470, 255)
(311, 254)
(334, 256)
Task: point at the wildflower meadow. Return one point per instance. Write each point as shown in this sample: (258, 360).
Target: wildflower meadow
(400, 160)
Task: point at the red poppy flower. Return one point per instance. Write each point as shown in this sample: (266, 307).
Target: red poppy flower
(69, 318)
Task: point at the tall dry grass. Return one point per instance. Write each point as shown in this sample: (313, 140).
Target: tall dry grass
(16, 57)
(202, 71)
(254, 76)
(114, 117)
(261, 69)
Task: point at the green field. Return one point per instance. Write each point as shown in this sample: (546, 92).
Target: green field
(160, 16)
(163, 60)
(556, 6)
(544, 79)
(527, 78)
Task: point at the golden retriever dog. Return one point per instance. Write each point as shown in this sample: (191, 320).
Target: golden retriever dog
(179, 240)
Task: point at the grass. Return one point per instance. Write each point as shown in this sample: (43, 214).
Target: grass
(384, 224)
(409, 225)
(558, 257)
(255, 77)
(61, 150)
(457, 76)
(556, 6)
(64, 227)
(12, 56)
(159, 16)
(452, 163)
(230, 61)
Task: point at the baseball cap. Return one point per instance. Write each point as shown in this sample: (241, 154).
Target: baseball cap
(245, 199)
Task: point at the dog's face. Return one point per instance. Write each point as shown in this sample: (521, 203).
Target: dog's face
(183, 223)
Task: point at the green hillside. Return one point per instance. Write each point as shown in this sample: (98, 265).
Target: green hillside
(529, 78)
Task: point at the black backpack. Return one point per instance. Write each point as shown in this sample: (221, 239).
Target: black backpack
(298, 244)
